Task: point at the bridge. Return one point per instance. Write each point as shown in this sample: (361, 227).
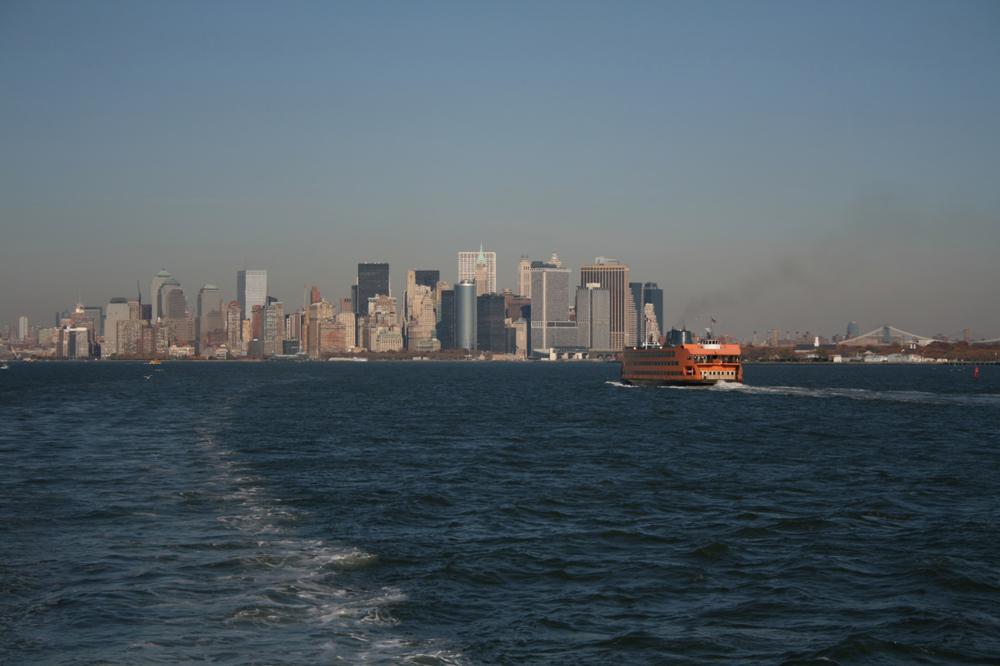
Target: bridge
(888, 335)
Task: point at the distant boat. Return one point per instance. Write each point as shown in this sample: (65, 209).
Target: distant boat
(357, 359)
(4, 367)
(155, 361)
(975, 372)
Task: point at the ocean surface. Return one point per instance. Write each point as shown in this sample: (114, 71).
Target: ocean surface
(478, 513)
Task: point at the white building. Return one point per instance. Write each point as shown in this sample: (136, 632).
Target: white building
(467, 262)
(251, 290)
(118, 309)
(22, 328)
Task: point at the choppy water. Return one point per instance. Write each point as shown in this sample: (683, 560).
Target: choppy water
(497, 513)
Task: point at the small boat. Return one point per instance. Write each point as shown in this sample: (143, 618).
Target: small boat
(4, 367)
(155, 361)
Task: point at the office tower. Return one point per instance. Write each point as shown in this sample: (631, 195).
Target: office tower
(22, 328)
(446, 324)
(427, 278)
(643, 294)
(154, 294)
(613, 276)
(486, 264)
(274, 328)
(774, 337)
(234, 328)
(319, 315)
(293, 326)
(210, 323)
(593, 317)
(245, 336)
(653, 295)
(551, 326)
(73, 343)
(421, 314)
(373, 280)
(346, 305)
(491, 333)
(118, 310)
(384, 331)
(524, 277)
(650, 325)
(257, 323)
(251, 290)
(465, 315)
(96, 314)
(347, 323)
(853, 330)
(314, 295)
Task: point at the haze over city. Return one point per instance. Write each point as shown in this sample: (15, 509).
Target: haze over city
(784, 166)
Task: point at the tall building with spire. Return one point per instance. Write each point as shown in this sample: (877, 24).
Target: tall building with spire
(480, 266)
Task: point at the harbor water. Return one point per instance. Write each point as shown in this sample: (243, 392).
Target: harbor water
(497, 513)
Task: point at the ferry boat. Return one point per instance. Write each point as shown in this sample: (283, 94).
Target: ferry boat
(687, 363)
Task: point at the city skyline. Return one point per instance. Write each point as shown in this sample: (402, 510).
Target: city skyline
(774, 166)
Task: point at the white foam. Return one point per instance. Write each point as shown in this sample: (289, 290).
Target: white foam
(619, 384)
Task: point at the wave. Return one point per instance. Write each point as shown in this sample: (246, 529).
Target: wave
(922, 397)
(620, 385)
(274, 577)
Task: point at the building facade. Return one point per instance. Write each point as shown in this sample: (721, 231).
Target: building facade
(491, 334)
(486, 261)
(251, 290)
(551, 327)
(593, 317)
(614, 276)
(465, 315)
(373, 280)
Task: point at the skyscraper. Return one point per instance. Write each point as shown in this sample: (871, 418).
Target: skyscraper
(234, 328)
(593, 317)
(427, 278)
(524, 277)
(420, 314)
(551, 326)
(853, 330)
(154, 294)
(251, 290)
(446, 325)
(22, 328)
(643, 294)
(210, 324)
(465, 315)
(613, 276)
(491, 334)
(118, 310)
(487, 261)
(373, 279)
(274, 328)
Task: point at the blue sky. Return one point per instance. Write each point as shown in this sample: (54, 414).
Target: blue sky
(789, 164)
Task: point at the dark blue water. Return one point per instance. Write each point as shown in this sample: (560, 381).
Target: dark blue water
(496, 513)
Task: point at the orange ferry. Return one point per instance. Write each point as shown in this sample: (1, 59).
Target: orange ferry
(686, 364)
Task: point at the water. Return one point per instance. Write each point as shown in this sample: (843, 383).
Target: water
(481, 513)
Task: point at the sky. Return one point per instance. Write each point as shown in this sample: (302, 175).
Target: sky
(791, 165)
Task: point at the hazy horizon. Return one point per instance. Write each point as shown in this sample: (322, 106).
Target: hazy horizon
(774, 165)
